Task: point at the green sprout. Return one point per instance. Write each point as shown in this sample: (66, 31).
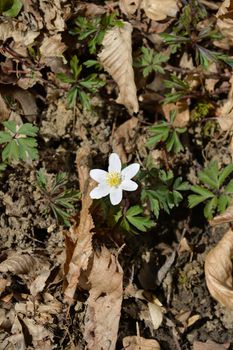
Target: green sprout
(212, 190)
(165, 132)
(20, 142)
(57, 198)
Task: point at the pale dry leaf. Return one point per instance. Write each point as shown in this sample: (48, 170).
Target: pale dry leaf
(225, 20)
(124, 137)
(52, 46)
(38, 284)
(4, 112)
(53, 15)
(156, 314)
(210, 83)
(116, 58)
(82, 231)
(139, 343)
(22, 36)
(218, 271)
(104, 301)
(159, 10)
(226, 216)
(18, 264)
(225, 112)
(210, 345)
(129, 7)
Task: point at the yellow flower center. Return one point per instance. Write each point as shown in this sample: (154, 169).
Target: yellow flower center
(113, 179)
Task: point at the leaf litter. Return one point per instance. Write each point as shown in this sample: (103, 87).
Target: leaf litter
(100, 283)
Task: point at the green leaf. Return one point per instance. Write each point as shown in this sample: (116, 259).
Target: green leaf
(41, 178)
(14, 10)
(194, 199)
(11, 151)
(5, 137)
(74, 65)
(223, 202)
(72, 96)
(28, 130)
(11, 125)
(209, 175)
(210, 208)
(85, 100)
(225, 173)
(64, 78)
(229, 188)
(202, 191)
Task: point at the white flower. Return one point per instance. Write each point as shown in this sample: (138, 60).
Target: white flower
(115, 181)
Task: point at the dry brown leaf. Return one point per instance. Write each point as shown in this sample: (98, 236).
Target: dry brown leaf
(53, 15)
(226, 216)
(18, 264)
(129, 7)
(39, 283)
(182, 113)
(123, 138)
(159, 10)
(4, 112)
(225, 20)
(83, 231)
(139, 343)
(116, 58)
(209, 345)
(20, 34)
(104, 301)
(218, 271)
(225, 112)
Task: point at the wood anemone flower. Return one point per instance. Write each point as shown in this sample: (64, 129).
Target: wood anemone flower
(114, 181)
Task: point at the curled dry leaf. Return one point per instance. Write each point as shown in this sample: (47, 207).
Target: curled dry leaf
(116, 58)
(82, 231)
(225, 20)
(139, 343)
(225, 112)
(218, 271)
(104, 302)
(52, 46)
(159, 10)
(226, 216)
(18, 264)
(123, 138)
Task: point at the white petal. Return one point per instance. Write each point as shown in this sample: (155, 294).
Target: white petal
(114, 163)
(130, 171)
(98, 175)
(129, 185)
(116, 196)
(100, 191)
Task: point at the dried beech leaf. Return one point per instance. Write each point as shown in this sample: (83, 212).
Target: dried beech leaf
(159, 10)
(225, 20)
(124, 137)
(38, 284)
(218, 271)
(129, 7)
(226, 216)
(139, 343)
(182, 113)
(116, 58)
(82, 231)
(104, 302)
(209, 345)
(225, 112)
(18, 264)
(4, 112)
(52, 46)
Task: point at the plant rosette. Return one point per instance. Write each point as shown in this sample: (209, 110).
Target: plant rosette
(114, 181)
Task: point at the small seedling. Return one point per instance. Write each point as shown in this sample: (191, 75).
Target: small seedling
(133, 218)
(93, 30)
(213, 192)
(151, 61)
(161, 190)
(57, 198)
(165, 132)
(20, 142)
(81, 87)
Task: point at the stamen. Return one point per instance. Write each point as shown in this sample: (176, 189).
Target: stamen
(114, 179)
